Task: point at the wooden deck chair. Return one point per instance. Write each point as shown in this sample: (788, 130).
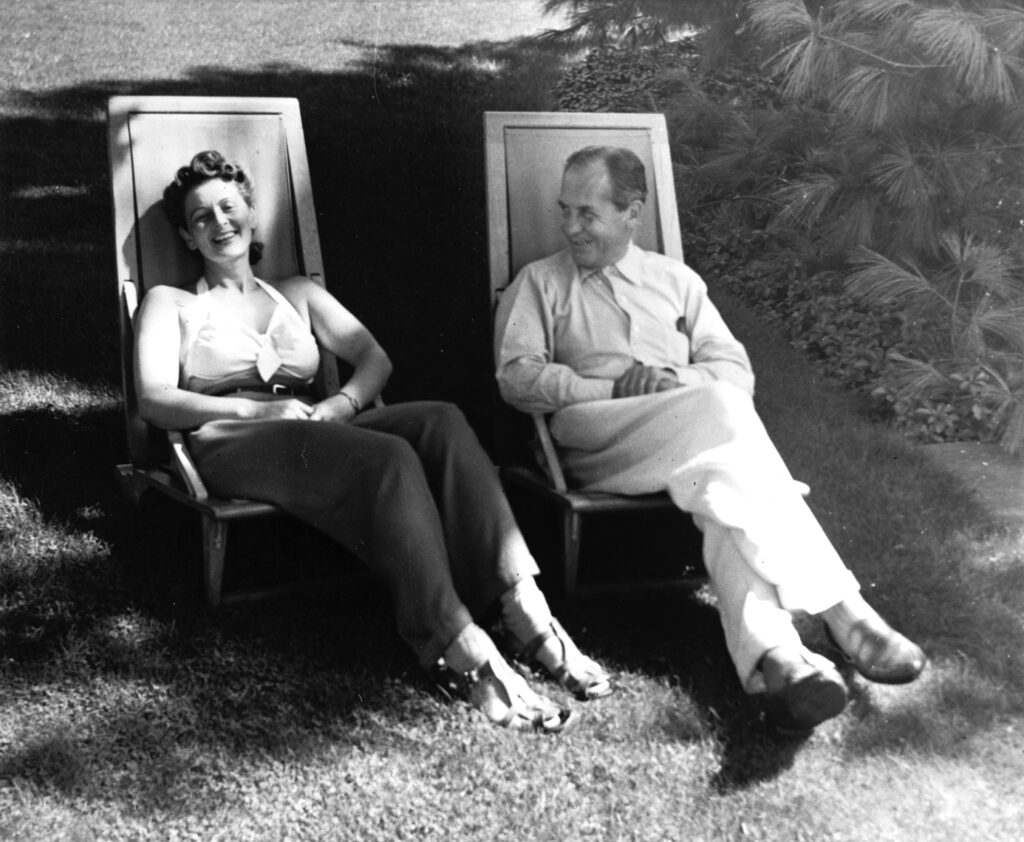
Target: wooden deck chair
(149, 138)
(525, 153)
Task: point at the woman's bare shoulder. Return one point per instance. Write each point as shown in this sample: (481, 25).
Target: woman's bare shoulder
(297, 285)
(164, 298)
(166, 293)
(299, 290)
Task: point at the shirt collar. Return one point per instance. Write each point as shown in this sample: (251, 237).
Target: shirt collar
(628, 268)
(631, 266)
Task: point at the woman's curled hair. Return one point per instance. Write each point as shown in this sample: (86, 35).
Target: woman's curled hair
(204, 167)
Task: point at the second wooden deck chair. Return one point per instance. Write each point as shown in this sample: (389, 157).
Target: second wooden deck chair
(149, 138)
(525, 153)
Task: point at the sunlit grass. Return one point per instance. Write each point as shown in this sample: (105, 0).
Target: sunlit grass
(22, 391)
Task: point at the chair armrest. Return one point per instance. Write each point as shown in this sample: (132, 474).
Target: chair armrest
(547, 446)
(130, 297)
(185, 467)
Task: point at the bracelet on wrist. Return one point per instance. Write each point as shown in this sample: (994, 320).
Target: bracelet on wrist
(356, 406)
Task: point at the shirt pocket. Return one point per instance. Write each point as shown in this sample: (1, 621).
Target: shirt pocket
(676, 343)
(659, 343)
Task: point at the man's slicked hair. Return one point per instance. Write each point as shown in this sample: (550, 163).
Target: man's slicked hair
(625, 171)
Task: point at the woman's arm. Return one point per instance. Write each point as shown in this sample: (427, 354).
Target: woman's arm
(161, 401)
(341, 333)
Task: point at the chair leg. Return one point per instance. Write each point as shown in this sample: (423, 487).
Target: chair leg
(572, 525)
(127, 485)
(215, 542)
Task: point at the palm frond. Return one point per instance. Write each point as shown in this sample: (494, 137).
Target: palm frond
(1005, 29)
(985, 264)
(866, 94)
(956, 163)
(915, 229)
(872, 13)
(956, 38)
(911, 378)
(781, 20)
(1012, 439)
(878, 280)
(633, 23)
(901, 175)
(805, 201)
(1005, 324)
(854, 225)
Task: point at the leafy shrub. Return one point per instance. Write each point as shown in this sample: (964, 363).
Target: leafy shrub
(876, 211)
(612, 78)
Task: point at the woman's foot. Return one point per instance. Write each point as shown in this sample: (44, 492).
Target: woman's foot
(537, 638)
(504, 697)
(875, 649)
(556, 652)
(803, 689)
(490, 685)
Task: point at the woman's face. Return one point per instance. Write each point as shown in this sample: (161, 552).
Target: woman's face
(220, 221)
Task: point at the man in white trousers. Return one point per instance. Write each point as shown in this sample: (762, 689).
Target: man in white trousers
(649, 391)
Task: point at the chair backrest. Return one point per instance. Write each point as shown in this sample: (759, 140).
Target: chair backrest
(149, 139)
(525, 152)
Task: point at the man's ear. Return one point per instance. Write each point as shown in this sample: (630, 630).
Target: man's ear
(634, 213)
(187, 238)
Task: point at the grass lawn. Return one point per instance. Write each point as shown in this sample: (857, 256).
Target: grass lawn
(128, 711)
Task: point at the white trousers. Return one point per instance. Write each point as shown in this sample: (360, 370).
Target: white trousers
(765, 552)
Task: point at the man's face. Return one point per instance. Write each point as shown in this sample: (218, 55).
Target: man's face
(598, 232)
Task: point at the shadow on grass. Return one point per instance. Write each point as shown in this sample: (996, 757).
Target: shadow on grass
(396, 152)
(678, 635)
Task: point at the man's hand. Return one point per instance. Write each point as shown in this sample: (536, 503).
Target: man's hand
(640, 379)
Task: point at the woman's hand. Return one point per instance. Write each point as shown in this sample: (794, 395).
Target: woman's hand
(337, 408)
(288, 410)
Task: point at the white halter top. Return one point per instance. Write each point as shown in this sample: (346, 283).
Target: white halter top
(218, 351)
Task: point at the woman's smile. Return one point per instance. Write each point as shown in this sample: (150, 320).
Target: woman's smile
(220, 221)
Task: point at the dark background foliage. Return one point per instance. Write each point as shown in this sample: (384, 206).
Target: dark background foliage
(852, 170)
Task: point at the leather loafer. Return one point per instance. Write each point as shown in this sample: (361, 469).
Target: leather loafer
(801, 694)
(880, 653)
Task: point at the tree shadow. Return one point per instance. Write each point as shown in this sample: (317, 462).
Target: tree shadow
(396, 154)
(678, 636)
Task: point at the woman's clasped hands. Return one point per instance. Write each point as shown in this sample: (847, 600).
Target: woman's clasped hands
(336, 408)
(339, 408)
(290, 409)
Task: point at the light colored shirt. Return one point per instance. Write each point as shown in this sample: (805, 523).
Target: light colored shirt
(218, 351)
(563, 337)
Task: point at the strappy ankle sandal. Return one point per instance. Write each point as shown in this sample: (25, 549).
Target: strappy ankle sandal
(509, 702)
(580, 675)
